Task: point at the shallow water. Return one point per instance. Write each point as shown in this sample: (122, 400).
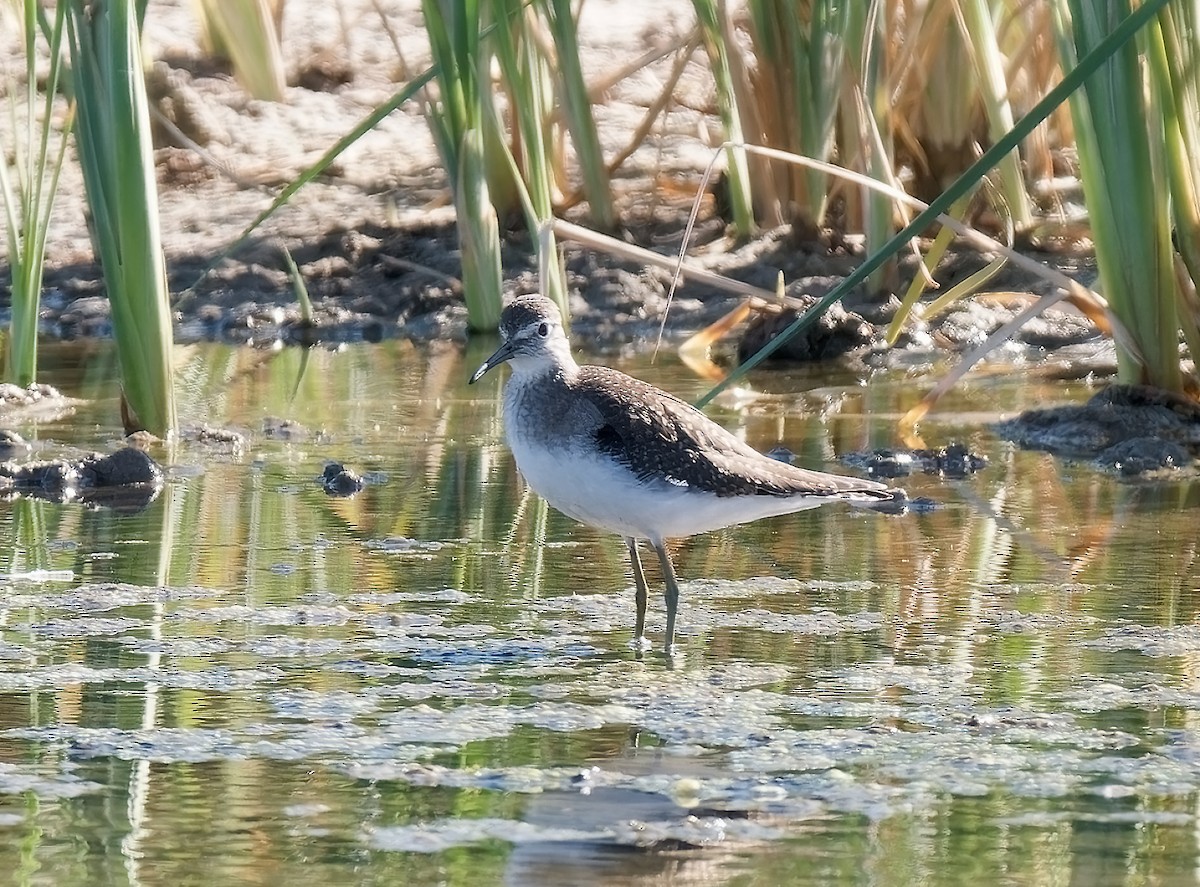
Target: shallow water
(432, 682)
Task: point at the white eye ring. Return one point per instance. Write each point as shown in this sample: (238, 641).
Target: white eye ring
(544, 330)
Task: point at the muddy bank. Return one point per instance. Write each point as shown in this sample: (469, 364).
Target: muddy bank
(377, 283)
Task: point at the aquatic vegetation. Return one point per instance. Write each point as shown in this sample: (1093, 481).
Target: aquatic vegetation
(28, 189)
(112, 134)
(1138, 161)
(457, 119)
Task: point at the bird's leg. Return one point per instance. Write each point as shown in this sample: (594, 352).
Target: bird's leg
(671, 594)
(639, 596)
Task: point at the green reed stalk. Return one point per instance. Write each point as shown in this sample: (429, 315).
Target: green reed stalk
(457, 120)
(1174, 55)
(720, 46)
(867, 127)
(245, 32)
(478, 235)
(801, 62)
(525, 72)
(577, 107)
(112, 136)
(1123, 169)
(938, 93)
(29, 200)
(299, 287)
(993, 89)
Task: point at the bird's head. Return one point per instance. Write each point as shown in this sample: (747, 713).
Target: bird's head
(533, 338)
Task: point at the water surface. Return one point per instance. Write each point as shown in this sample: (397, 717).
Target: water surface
(432, 682)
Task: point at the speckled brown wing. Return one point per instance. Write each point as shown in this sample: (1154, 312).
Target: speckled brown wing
(658, 435)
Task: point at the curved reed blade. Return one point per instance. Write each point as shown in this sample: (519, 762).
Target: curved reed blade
(113, 140)
(712, 18)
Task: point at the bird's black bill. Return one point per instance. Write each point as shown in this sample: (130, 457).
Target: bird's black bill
(503, 353)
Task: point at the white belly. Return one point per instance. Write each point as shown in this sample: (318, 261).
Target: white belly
(602, 493)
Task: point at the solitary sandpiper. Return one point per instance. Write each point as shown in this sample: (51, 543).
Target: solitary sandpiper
(619, 454)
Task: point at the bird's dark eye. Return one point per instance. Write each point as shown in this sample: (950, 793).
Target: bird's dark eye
(544, 330)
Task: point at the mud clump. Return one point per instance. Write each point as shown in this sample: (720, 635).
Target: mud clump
(835, 333)
(12, 444)
(219, 439)
(341, 482)
(126, 467)
(15, 396)
(1144, 455)
(954, 460)
(127, 480)
(1132, 429)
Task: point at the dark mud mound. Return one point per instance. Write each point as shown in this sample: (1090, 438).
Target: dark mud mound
(127, 480)
(835, 333)
(1129, 428)
(341, 482)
